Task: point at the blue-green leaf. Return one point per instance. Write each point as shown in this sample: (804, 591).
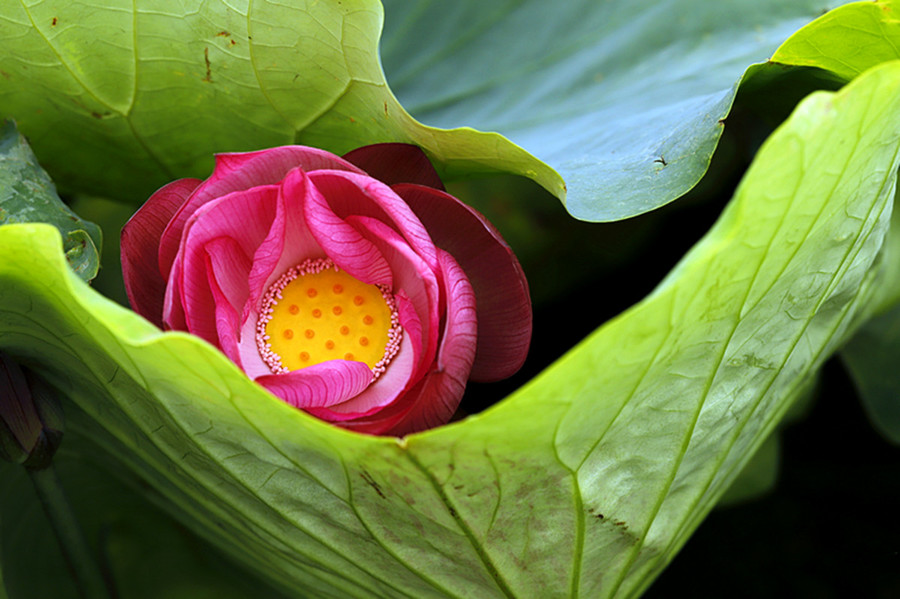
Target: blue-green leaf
(624, 99)
(27, 195)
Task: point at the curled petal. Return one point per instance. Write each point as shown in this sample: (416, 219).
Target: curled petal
(194, 308)
(504, 303)
(227, 266)
(144, 283)
(436, 397)
(321, 385)
(343, 243)
(351, 194)
(393, 163)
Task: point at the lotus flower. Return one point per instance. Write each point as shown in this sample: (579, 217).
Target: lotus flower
(353, 288)
(31, 419)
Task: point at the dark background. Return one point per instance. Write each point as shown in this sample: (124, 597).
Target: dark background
(830, 528)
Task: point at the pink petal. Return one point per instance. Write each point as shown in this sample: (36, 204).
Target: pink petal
(321, 385)
(198, 303)
(244, 217)
(230, 265)
(227, 267)
(248, 349)
(393, 163)
(264, 167)
(504, 304)
(288, 242)
(413, 277)
(173, 310)
(435, 399)
(242, 171)
(342, 242)
(351, 194)
(144, 283)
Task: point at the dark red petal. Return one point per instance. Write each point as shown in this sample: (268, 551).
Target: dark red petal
(393, 163)
(144, 283)
(504, 304)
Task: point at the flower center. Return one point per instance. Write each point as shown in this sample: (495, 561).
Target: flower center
(315, 312)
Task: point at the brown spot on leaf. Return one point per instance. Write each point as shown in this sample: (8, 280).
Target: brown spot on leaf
(208, 77)
(54, 22)
(371, 482)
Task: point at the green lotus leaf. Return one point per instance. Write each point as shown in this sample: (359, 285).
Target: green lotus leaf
(845, 42)
(622, 100)
(162, 86)
(584, 482)
(28, 195)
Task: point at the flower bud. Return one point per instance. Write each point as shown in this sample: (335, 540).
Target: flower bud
(31, 419)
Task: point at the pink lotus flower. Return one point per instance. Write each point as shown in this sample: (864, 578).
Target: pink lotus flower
(349, 287)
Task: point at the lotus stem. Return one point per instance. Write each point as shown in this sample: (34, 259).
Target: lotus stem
(75, 550)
